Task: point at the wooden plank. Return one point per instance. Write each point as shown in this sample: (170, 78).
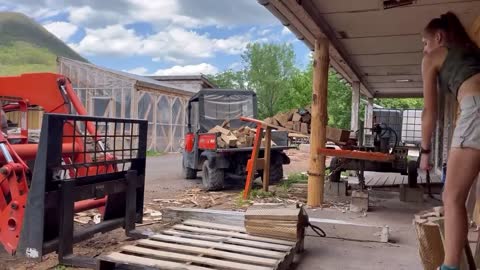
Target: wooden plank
(219, 129)
(221, 246)
(217, 226)
(229, 139)
(296, 117)
(210, 252)
(267, 154)
(229, 240)
(177, 214)
(147, 262)
(194, 259)
(346, 230)
(304, 128)
(245, 236)
(260, 164)
(282, 214)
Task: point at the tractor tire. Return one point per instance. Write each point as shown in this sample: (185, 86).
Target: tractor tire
(188, 173)
(276, 170)
(412, 173)
(336, 176)
(212, 178)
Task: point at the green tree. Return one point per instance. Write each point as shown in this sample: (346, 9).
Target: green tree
(230, 79)
(400, 103)
(269, 69)
(339, 102)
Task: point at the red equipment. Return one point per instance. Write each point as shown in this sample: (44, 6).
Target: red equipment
(54, 94)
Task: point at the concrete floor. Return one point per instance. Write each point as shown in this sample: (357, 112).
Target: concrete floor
(400, 253)
(164, 178)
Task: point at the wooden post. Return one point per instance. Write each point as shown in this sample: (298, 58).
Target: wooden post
(369, 114)
(266, 168)
(316, 173)
(355, 105)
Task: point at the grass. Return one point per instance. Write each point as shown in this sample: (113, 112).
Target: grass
(256, 193)
(294, 179)
(153, 153)
(26, 47)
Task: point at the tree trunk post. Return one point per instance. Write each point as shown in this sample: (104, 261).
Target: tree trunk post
(316, 173)
(355, 105)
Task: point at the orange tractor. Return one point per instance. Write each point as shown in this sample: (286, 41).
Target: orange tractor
(79, 163)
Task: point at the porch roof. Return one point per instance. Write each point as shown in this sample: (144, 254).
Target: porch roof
(375, 42)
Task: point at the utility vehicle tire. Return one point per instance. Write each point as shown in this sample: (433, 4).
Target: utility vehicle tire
(336, 176)
(412, 173)
(212, 178)
(276, 170)
(188, 173)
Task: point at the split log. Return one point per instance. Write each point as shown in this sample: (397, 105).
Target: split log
(296, 117)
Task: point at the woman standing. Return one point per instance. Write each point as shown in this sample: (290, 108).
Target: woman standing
(452, 59)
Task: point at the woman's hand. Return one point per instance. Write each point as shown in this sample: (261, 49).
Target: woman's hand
(425, 162)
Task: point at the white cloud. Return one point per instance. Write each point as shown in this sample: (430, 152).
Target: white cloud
(138, 71)
(285, 31)
(264, 32)
(111, 40)
(235, 66)
(63, 30)
(183, 13)
(202, 68)
(175, 45)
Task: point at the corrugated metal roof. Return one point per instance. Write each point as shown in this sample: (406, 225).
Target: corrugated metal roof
(202, 78)
(141, 81)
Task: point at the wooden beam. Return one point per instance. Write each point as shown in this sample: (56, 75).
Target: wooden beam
(369, 114)
(266, 163)
(355, 106)
(316, 176)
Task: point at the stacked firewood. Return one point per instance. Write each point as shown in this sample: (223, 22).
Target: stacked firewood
(297, 120)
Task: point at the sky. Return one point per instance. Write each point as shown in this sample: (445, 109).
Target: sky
(160, 37)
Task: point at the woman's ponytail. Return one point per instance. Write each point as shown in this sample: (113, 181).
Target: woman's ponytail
(453, 28)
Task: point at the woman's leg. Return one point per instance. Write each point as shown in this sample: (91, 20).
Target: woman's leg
(463, 168)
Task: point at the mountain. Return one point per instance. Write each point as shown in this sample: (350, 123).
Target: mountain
(26, 46)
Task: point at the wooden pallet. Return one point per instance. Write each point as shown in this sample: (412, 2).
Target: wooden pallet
(198, 245)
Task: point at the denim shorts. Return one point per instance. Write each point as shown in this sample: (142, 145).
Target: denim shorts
(467, 130)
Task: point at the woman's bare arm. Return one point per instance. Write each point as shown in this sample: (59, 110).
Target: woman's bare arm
(429, 114)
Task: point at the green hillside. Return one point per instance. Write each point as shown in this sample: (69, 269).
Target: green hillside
(26, 46)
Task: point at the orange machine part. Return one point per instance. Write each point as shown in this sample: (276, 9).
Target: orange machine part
(361, 155)
(12, 178)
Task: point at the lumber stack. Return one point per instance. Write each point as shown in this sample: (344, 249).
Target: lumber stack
(295, 120)
(234, 138)
(287, 223)
(299, 120)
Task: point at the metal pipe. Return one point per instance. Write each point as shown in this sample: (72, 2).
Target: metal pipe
(6, 153)
(29, 151)
(89, 204)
